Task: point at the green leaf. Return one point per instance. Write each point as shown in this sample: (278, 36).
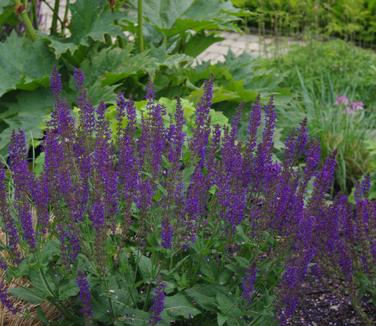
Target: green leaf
(24, 64)
(50, 250)
(172, 17)
(221, 319)
(30, 295)
(42, 316)
(178, 305)
(204, 295)
(146, 267)
(199, 43)
(163, 13)
(26, 112)
(228, 305)
(68, 290)
(91, 20)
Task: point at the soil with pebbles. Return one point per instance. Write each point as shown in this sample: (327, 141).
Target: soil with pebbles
(327, 303)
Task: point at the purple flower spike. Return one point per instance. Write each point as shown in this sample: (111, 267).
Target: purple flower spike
(85, 295)
(150, 95)
(97, 215)
(79, 77)
(248, 284)
(158, 304)
(4, 299)
(55, 82)
(167, 232)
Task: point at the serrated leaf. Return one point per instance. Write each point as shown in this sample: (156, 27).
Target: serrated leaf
(199, 43)
(91, 20)
(176, 16)
(24, 64)
(27, 112)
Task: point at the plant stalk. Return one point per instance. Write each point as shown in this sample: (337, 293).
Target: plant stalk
(140, 34)
(55, 17)
(21, 10)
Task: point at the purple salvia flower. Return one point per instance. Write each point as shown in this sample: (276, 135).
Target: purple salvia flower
(79, 78)
(23, 180)
(254, 124)
(3, 264)
(248, 284)
(202, 131)
(323, 182)
(362, 188)
(313, 157)
(120, 106)
(9, 224)
(158, 304)
(302, 138)
(345, 261)
(143, 142)
(102, 128)
(177, 135)
(27, 225)
(145, 195)
(202, 111)
(150, 95)
(64, 120)
(4, 299)
(166, 234)
(85, 295)
(107, 175)
(41, 199)
(69, 242)
(157, 137)
(97, 215)
(264, 149)
(55, 82)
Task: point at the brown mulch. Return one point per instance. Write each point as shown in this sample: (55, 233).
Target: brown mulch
(327, 303)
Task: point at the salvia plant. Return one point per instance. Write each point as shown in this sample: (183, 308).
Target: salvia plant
(145, 225)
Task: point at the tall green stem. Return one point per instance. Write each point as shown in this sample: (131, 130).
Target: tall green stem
(55, 17)
(140, 34)
(22, 9)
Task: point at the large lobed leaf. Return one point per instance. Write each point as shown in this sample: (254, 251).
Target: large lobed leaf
(176, 16)
(24, 64)
(91, 20)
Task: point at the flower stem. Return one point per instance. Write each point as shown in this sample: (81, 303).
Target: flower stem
(21, 9)
(140, 34)
(55, 17)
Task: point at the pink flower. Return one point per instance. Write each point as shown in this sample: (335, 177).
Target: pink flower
(342, 100)
(357, 105)
(354, 107)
